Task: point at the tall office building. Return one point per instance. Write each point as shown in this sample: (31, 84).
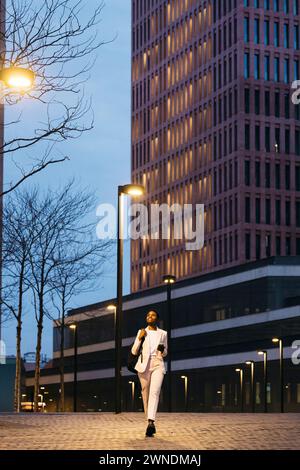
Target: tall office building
(213, 122)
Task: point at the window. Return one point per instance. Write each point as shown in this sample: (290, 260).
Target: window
(287, 141)
(268, 211)
(277, 176)
(287, 177)
(296, 69)
(287, 213)
(267, 103)
(277, 212)
(267, 68)
(247, 173)
(256, 67)
(267, 32)
(276, 5)
(286, 6)
(247, 100)
(257, 101)
(267, 4)
(286, 69)
(246, 65)
(247, 210)
(276, 34)
(247, 246)
(295, 7)
(296, 37)
(246, 29)
(297, 213)
(257, 138)
(276, 69)
(297, 178)
(267, 139)
(286, 31)
(247, 136)
(286, 106)
(257, 174)
(277, 104)
(257, 210)
(267, 175)
(257, 247)
(256, 31)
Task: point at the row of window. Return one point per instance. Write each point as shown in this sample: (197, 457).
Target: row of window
(279, 179)
(287, 6)
(285, 213)
(265, 246)
(277, 33)
(263, 139)
(270, 103)
(282, 69)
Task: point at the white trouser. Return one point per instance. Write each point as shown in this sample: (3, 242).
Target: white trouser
(151, 381)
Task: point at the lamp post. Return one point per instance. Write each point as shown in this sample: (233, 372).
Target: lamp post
(265, 354)
(131, 382)
(74, 328)
(281, 378)
(169, 280)
(20, 80)
(241, 373)
(251, 363)
(134, 190)
(184, 377)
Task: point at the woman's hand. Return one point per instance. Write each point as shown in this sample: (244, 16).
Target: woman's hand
(142, 334)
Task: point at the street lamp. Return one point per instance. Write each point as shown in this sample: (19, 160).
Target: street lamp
(265, 354)
(280, 343)
(74, 328)
(133, 190)
(17, 78)
(132, 383)
(251, 363)
(169, 280)
(241, 372)
(184, 377)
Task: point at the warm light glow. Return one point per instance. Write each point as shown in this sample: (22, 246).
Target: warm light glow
(18, 78)
(111, 308)
(73, 327)
(275, 340)
(133, 190)
(260, 353)
(249, 363)
(238, 370)
(184, 377)
(169, 279)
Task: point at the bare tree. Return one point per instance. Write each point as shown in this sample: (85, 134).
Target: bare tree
(18, 238)
(53, 40)
(78, 272)
(63, 241)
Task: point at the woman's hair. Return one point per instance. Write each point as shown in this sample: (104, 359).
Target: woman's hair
(155, 311)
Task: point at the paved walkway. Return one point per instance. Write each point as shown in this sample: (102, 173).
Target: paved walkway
(177, 431)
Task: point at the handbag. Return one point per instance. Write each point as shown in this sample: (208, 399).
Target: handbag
(133, 358)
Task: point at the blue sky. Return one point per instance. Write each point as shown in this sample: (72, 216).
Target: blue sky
(100, 159)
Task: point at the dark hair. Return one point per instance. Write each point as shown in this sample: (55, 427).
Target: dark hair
(155, 311)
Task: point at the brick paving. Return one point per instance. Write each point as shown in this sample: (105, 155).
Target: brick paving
(178, 431)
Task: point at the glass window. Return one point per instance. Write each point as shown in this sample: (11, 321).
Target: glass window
(296, 37)
(276, 69)
(276, 5)
(256, 67)
(276, 34)
(267, 32)
(267, 68)
(286, 32)
(286, 6)
(246, 65)
(286, 72)
(246, 29)
(256, 31)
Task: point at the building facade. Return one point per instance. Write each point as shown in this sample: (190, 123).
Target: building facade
(219, 321)
(213, 123)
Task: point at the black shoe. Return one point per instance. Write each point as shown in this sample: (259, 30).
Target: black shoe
(150, 430)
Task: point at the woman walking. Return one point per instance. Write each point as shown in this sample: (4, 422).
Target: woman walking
(150, 365)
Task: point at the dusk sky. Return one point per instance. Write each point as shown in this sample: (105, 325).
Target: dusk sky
(100, 159)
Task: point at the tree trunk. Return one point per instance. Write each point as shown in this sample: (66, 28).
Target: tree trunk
(62, 356)
(38, 358)
(17, 396)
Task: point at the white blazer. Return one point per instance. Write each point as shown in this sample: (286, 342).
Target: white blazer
(145, 356)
